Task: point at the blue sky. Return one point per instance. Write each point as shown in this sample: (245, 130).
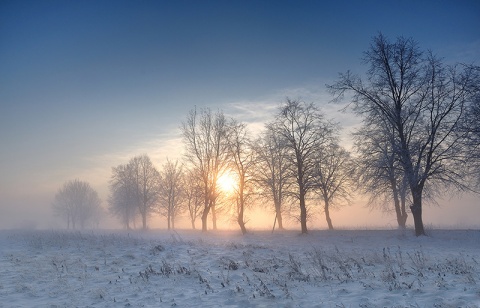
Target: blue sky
(84, 85)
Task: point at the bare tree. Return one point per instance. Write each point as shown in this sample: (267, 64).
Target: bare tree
(334, 177)
(76, 202)
(193, 191)
(380, 173)
(241, 156)
(471, 129)
(304, 128)
(422, 101)
(205, 138)
(171, 191)
(122, 200)
(272, 171)
(146, 180)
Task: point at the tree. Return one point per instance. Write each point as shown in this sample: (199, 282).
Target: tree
(171, 191)
(193, 195)
(271, 170)
(205, 139)
(380, 173)
(305, 131)
(241, 156)
(145, 184)
(471, 129)
(77, 202)
(422, 101)
(333, 177)
(122, 200)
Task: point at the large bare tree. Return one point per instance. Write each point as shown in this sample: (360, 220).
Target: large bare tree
(77, 202)
(422, 101)
(205, 139)
(305, 130)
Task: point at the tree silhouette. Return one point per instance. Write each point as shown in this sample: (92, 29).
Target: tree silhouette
(77, 203)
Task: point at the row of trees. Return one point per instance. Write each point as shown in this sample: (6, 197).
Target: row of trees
(420, 136)
(139, 189)
(297, 157)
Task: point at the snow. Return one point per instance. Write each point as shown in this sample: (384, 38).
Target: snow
(342, 268)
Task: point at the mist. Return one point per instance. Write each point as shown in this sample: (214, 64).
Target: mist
(35, 212)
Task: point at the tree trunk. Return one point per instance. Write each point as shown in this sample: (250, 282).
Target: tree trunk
(398, 211)
(303, 213)
(401, 218)
(144, 221)
(204, 218)
(403, 210)
(192, 217)
(214, 217)
(327, 214)
(170, 218)
(416, 209)
(241, 222)
(280, 221)
(278, 212)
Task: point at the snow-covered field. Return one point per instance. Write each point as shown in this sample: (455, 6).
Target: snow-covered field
(361, 268)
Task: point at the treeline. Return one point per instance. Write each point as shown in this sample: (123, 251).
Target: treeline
(262, 169)
(419, 137)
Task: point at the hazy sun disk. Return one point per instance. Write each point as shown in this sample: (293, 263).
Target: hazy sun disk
(227, 182)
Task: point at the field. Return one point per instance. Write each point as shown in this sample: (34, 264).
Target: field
(343, 268)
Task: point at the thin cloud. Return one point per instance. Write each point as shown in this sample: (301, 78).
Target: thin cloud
(255, 113)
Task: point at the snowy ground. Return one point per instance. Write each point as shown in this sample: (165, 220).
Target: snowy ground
(381, 268)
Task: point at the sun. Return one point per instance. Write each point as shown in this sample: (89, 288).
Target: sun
(227, 183)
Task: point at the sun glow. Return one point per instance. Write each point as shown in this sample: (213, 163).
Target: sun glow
(227, 183)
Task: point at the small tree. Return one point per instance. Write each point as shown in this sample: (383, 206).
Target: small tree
(145, 184)
(242, 162)
(380, 172)
(305, 131)
(122, 200)
(171, 191)
(205, 138)
(271, 172)
(193, 191)
(77, 203)
(334, 177)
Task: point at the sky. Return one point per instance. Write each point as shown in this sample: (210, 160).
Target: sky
(86, 85)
